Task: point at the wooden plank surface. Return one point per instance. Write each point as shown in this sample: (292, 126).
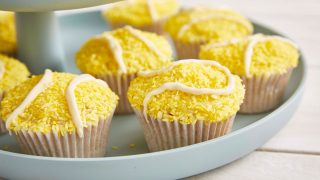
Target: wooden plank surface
(267, 166)
(302, 133)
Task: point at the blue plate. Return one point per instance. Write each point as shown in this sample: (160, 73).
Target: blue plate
(249, 132)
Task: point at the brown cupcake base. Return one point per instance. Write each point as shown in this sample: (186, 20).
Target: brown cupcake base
(187, 51)
(93, 144)
(119, 84)
(264, 93)
(3, 128)
(161, 135)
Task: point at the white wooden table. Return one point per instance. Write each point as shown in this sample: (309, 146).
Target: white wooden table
(294, 153)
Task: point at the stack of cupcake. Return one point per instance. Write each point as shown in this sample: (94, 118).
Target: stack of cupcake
(223, 69)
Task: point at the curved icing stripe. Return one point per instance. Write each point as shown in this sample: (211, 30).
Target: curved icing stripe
(2, 69)
(72, 102)
(146, 41)
(151, 8)
(215, 16)
(37, 89)
(249, 52)
(116, 51)
(181, 87)
(252, 42)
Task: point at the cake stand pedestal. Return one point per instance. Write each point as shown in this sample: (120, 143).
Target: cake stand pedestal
(38, 38)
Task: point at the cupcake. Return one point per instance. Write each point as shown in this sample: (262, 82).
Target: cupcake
(147, 15)
(60, 115)
(263, 62)
(7, 33)
(12, 72)
(117, 57)
(194, 27)
(190, 101)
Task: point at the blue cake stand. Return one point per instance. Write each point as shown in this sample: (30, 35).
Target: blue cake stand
(40, 46)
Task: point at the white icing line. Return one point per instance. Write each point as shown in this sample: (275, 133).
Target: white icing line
(215, 16)
(37, 89)
(187, 89)
(249, 52)
(146, 41)
(2, 69)
(116, 50)
(253, 40)
(153, 13)
(72, 102)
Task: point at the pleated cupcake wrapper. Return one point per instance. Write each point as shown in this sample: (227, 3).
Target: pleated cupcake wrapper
(93, 143)
(264, 93)
(162, 135)
(187, 51)
(156, 27)
(119, 84)
(3, 128)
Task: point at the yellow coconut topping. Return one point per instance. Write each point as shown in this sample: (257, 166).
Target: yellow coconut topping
(7, 32)
(139, 12)
(199, 25)
(184, 107)
(269, 55)
(49, 110)
(14, 73)
(96, 56)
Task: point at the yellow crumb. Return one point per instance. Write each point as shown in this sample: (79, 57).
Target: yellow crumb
(187, 108)
(15, 72)
(132, 145)
(96, 58)
(50, 112)
(115, 148)
(221, 25)
(269, 57)
(137, 13)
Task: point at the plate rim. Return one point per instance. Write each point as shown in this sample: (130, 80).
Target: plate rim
(295, 94)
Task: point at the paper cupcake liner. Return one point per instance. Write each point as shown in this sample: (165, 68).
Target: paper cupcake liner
(161, 135)
(120, 84)
(93, 143)
(264, 93)
(156, 27)
(187, 51)
(3, 128)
